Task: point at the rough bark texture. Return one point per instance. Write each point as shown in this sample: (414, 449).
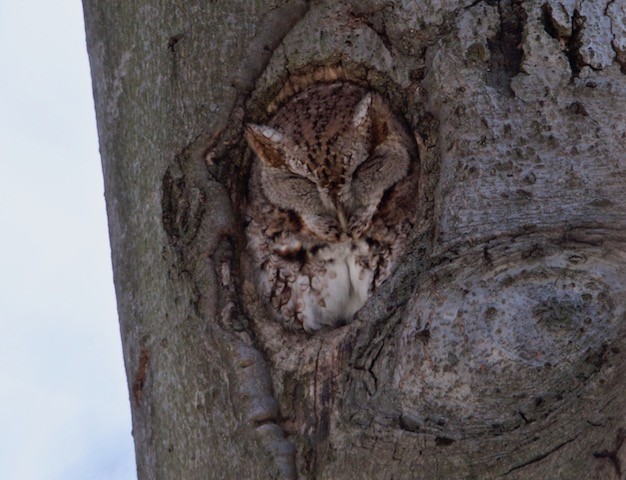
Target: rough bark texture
(497, 350)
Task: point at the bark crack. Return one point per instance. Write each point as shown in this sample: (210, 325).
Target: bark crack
(570, 41)
(505, 51)
(371, 390)
(612, 455)
(541, 456)
(381, 30)
(620, 54)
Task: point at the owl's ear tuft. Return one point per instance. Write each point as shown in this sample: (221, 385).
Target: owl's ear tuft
(367, 109)
(267, 143)
(362, 110)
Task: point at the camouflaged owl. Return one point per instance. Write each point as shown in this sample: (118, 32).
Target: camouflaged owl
(332, 197)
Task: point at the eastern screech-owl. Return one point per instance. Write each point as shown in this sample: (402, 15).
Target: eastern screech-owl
(332, 197)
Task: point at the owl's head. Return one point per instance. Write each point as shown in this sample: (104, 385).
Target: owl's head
(329, 154)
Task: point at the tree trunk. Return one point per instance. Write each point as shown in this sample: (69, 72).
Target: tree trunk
(496, 349)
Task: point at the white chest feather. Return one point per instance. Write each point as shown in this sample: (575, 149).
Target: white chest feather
(339, 289)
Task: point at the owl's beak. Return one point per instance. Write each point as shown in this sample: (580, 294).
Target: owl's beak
(341, 216)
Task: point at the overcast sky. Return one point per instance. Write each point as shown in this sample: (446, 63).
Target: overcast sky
(64, 411)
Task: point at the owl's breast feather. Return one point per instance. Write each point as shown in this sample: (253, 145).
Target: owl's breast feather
(344, 284)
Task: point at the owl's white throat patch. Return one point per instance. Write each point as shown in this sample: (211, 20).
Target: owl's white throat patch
(343, 285)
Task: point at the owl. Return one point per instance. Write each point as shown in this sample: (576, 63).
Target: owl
(331, 200)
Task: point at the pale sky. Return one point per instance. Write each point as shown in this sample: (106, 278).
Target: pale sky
(64, 411)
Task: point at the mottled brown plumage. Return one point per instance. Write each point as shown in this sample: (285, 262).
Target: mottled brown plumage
(323, 232)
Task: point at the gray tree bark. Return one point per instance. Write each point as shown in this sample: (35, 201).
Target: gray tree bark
(497, 350)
